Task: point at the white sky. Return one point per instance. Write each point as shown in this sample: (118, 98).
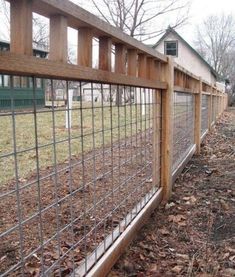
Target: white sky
(200, 9)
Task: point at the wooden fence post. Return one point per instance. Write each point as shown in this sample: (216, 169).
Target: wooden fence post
(167, 129)
(198, 112)
(210, 110)
(156, 136)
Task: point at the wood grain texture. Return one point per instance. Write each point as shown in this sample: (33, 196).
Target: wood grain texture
(142, 66)
(156, 137)
(132, 62)
(151, 69)
(32, 66)
(78, 17)
(167, 131)
(120, 58)
(105, 50)
(21, 27)
(58, 38)
(85, 37)
(210, 101)
(198, 112)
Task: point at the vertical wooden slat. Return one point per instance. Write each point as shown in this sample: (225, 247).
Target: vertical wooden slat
(158, 70)
(132, 62)
(85, 37)
(198, 105)
(58, 38)
(120, 58)
(217, 104)
(151, 69)
(142, 66)
(21, 27)
(167, 130)
(210, 110)
(105, 51)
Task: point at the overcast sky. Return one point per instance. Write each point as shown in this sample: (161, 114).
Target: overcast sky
(200, 9)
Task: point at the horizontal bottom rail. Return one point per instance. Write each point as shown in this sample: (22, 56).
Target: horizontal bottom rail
(203, 135)
(182, 165)
(121, 237)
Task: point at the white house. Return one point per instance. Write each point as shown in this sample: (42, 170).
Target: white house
(171, 43)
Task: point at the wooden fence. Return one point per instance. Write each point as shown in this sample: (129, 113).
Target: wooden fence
(174, 96)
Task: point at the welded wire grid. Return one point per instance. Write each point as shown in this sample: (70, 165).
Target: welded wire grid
(183, 130)
(204, 113)
(64, 190)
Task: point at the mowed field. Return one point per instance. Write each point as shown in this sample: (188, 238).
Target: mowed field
(56, 143)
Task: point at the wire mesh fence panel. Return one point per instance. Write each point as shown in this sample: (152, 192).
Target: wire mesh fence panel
(183, 130)
(204, 113)
(73, 173)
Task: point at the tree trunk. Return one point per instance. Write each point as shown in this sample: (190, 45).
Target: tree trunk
(119, 96)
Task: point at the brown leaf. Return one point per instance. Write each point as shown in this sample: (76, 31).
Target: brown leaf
(182, 256)
(176, 218)
(142, 257)
(177, 269)
(153, 268)
(164, 231)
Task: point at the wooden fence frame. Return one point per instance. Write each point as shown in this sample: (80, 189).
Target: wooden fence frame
(135, 65)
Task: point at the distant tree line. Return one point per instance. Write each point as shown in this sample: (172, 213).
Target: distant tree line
(215, 41)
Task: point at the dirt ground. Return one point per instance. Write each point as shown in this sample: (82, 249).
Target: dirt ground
(194, 234)
(73, 198)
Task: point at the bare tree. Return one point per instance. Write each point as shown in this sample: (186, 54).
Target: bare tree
(215, 41)
(139, 18)
(40, 27)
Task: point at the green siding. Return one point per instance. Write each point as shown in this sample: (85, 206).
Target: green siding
(23, 98)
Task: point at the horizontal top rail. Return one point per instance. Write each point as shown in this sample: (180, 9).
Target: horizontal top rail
(32, 66)
(185, 71)
(134, 63)
(78, 17)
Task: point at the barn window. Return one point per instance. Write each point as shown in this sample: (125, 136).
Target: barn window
(171, 48)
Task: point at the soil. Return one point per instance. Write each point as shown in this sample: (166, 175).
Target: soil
(193, 234)
(123, 176)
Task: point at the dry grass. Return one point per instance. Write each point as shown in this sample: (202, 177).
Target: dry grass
(26, 140)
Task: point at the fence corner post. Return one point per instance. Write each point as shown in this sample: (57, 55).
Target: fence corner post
(167, 129)
(198, 112)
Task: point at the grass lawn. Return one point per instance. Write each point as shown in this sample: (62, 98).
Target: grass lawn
(46, 121)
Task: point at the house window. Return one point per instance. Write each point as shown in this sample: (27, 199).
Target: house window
(16, 82)
(171, 48)
(24, 82)
(6, 80)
